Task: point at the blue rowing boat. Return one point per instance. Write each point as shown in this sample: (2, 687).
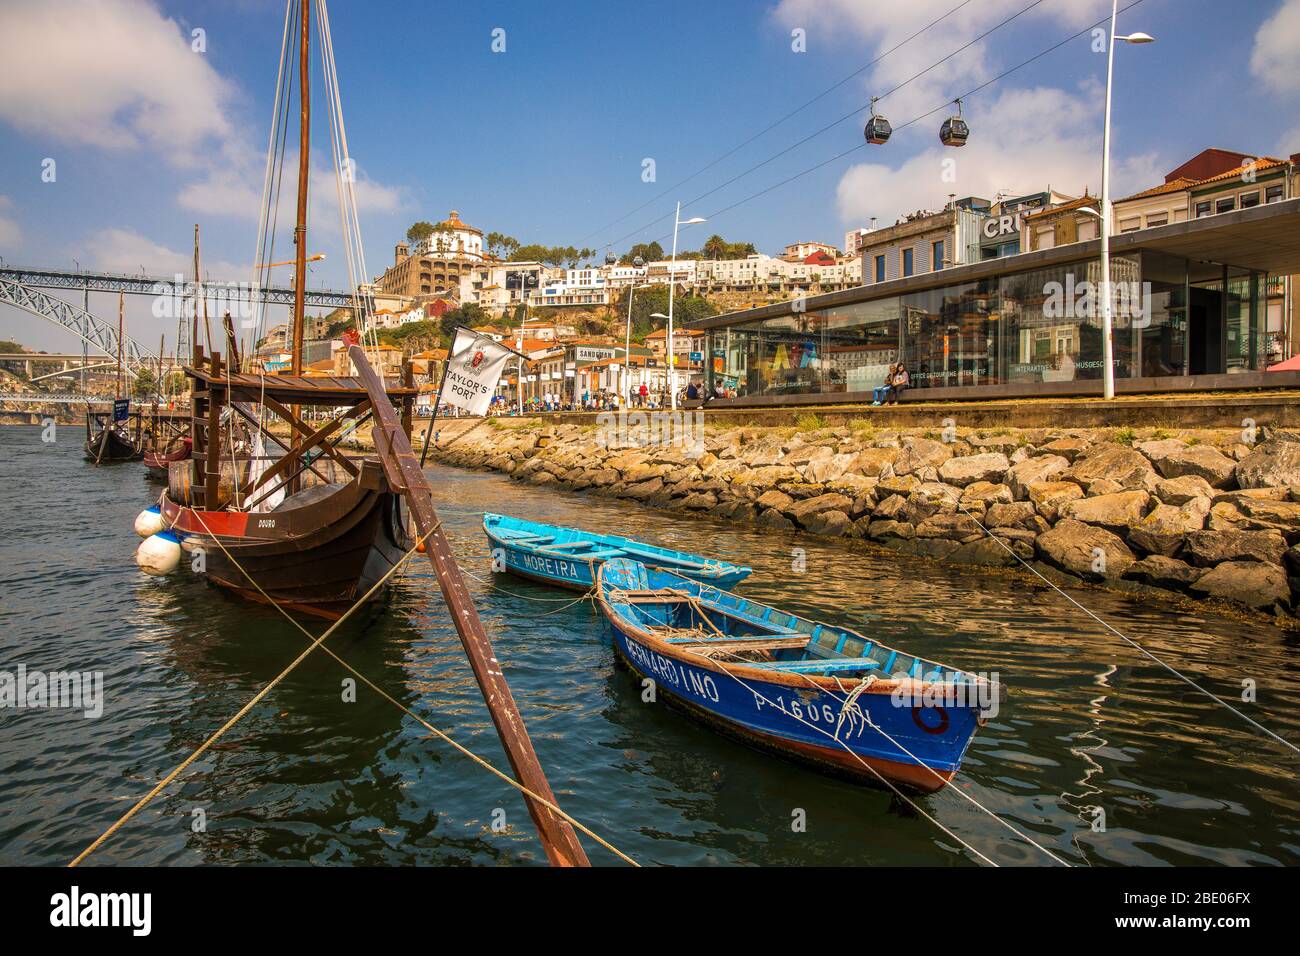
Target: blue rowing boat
(817, 693)
(570, 557)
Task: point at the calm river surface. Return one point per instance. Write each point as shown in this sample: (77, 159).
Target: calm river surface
(308, 778)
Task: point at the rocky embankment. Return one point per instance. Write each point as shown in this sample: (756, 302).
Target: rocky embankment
(1211, 514)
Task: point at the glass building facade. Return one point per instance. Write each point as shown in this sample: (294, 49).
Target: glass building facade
(1171, 318)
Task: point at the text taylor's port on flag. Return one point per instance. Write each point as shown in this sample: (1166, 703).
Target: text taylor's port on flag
(473, 370)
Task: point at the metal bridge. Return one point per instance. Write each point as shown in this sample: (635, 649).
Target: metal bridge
(167, 285)
(54, 398)
(91, 329)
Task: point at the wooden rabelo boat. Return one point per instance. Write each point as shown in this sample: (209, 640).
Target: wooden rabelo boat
(168, 440)
(110, 438)
(816, 693)
(109, 441)
(314, 531)
(569, 557)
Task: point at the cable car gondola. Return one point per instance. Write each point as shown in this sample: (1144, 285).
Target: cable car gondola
(610, 259)
(954, 131)
(638, 262)
(877, 130)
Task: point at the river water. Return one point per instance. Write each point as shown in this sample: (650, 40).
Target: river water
(1100, 755)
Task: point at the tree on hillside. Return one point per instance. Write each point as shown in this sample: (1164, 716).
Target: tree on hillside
(715, 247)
(418, 231)
(650, 252)
(501, 245)
(686, 310)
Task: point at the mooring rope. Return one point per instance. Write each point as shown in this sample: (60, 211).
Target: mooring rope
(1128, 640)
(319, 642)
(879, 776)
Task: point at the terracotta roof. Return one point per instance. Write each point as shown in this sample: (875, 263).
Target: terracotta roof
(1173, 186)
(1260, 164)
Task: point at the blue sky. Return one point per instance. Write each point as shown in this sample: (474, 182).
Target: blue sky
(546, 141)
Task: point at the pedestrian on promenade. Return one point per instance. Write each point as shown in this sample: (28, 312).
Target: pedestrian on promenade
(880, 392)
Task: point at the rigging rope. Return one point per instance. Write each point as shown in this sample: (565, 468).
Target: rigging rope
(319, 642)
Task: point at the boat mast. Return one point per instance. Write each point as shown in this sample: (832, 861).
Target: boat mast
(121, 327)
(300, 229)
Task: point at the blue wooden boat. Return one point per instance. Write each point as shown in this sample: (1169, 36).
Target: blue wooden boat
(569, 557)
(817, 693)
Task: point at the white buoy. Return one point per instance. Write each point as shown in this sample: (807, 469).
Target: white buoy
(159, 554)
(149, 521)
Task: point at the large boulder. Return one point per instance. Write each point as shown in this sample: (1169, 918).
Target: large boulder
(984, 551)
(985, 493)
(773, 499)
(1050, 496)
(1115, 512)
(1262, 586)
(1272, 463)
(1165, 528)
(891, 529)
(1209, 548)
(873, 462)
(801, 511)
(1069, 448)
(891, 508)
(957, 527)
(1127, 468)
(1019, 514)
(827, 470)
(1174, 459)
(1083, 549)
(643, 490)
(921, 453)
(1161, 571)
(1041, 468)
(988, 467)
(1179, 491)
(831, 524)
(771, 518)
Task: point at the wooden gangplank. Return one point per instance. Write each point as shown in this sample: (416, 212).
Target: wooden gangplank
(402, 468)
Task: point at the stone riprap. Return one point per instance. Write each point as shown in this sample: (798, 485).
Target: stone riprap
(1208, 514)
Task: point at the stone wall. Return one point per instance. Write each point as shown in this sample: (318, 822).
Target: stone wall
(1208, 514)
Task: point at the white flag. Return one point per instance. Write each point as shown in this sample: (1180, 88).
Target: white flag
(473, 370)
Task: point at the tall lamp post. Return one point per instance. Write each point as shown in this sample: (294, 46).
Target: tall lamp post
(678, 222)
(1107, 335)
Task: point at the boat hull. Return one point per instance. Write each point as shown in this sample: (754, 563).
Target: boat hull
(578, 573)
(158, 462)
(318, 558)
(108, 447)
(800, 723)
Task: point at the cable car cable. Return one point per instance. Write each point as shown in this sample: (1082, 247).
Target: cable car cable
(774, 125)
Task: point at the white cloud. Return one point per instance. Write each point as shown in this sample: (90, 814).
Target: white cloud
(125, 251)
(1275, 60)
(10, 232)
(1007, 151)
(236, 192)
(111, 73)
(884, 26)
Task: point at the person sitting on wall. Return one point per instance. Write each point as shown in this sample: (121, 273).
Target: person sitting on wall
(692, 392)
(879, 393)
(901, 381)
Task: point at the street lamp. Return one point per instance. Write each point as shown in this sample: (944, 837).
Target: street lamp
(627, 345)
(1107, 345)
(672, 288)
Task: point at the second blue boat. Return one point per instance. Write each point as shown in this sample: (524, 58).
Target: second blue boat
(569, 557)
